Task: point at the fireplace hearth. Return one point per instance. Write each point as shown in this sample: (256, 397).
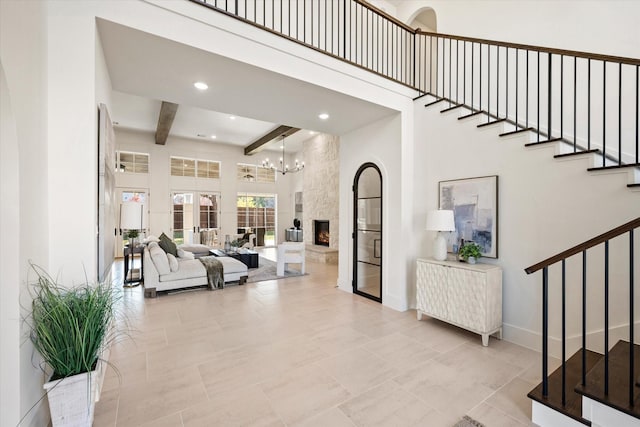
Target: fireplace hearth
(321, 232)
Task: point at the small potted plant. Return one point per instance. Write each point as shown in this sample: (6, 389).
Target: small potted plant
(470, 252)
(132, 235)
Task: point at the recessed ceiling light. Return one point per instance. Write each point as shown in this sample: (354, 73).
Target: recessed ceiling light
(312, 132)
(201, 85)
(232, 117)
(282, 146)
(201, 135)
(213, 137)
(323, 116)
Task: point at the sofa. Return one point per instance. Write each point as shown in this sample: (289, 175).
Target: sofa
(163, 272)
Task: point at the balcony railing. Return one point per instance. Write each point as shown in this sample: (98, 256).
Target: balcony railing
(587, 102)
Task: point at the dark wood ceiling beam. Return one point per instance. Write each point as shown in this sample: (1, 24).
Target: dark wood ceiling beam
(165, 121)
(258, 144)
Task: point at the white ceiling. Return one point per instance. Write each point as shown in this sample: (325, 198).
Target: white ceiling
(146, 69)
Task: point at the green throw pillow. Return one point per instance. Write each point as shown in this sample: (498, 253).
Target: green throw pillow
(168, 246)
(164, 237)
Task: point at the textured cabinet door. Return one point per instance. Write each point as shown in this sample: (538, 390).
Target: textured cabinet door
(431, 293)
(469, 296)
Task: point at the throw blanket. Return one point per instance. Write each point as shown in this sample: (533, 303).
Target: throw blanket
(215, 271)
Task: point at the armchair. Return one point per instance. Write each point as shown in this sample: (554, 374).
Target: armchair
(290, 253)
(249, 245)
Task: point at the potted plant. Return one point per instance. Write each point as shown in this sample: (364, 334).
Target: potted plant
(132, 235)
(71, 328)
(470, 252)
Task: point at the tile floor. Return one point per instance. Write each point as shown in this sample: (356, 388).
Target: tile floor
(299, 351)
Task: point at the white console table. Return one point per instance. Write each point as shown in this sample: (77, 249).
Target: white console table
(465, 295)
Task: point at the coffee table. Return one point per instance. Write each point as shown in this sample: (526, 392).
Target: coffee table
(247, 257)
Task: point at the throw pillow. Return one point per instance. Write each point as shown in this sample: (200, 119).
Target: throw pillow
(169, 247)
(151, 238)
(164, 237)
(173, 262)
(160, 260)
(185, 254)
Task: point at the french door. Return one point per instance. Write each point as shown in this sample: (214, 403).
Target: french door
(196, 217)
(367, 232)
(130, 196)
(257, 213)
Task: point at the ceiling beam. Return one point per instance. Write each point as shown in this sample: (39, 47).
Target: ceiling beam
(257, 145)
(165, 120)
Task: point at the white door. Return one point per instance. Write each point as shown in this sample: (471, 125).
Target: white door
(130, 196)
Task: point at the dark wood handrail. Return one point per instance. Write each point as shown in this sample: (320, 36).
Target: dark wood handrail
(585, 245)
(385, 15)
(579, 54)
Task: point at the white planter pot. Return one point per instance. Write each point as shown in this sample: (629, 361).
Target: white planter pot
(72, 400)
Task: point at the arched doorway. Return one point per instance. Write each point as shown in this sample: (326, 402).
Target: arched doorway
(425, 19)
(367, 232)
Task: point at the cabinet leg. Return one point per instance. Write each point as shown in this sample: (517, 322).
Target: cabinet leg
(419, 314)
(485, 340)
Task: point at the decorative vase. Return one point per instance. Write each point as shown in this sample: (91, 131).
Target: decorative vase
(471, 260)
(227, 243)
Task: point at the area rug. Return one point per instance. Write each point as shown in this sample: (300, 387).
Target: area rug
(467, 421)
(267, 271)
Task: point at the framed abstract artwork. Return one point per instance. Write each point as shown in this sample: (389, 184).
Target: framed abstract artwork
(474, 202)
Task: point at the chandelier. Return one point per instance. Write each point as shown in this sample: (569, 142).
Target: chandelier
(283, 167)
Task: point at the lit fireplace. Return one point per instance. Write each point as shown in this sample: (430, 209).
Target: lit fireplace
(321, 232)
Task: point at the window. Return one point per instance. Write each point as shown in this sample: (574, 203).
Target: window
(132, 162)
(196, 168)
(195, 216)
(257, 212)
(253, 173)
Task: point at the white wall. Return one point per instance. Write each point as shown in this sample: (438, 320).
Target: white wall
(23, 178)
(382, 143)
(606, 27)
(545, 206)
(159, 182)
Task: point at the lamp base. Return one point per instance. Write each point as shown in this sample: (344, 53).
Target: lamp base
(440, 247)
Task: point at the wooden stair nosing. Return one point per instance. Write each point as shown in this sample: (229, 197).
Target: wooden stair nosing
(452, 108)
(546, 141)
(434, 102)
(513, 132)
(491, 123)
(618, 397)
(471, 114)
(573, 407)
(602, 168)
(577, 153)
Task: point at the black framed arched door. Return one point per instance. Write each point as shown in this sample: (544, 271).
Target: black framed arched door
(367, 232)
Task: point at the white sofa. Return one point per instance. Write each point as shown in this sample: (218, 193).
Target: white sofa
(186, 272)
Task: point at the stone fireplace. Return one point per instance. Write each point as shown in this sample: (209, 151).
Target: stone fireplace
(321, 232)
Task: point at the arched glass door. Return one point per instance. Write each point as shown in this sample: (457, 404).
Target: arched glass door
(367, 232)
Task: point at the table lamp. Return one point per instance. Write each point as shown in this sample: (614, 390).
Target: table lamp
(440, 220)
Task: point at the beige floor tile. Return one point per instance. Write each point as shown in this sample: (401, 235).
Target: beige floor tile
(339, 339)
(333, 417)
(387, 405)
(106, 409)
(490, 416)
(478, 365)
(173, 420)
(358, 370)
(301, 352)
(302, 393)
(161, 396)
(441, 386)
(439, 336)
(401, 350)
(243, 407)
(512, 399)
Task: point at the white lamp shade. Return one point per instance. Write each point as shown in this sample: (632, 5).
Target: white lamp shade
(131, 216)
(440, 220)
